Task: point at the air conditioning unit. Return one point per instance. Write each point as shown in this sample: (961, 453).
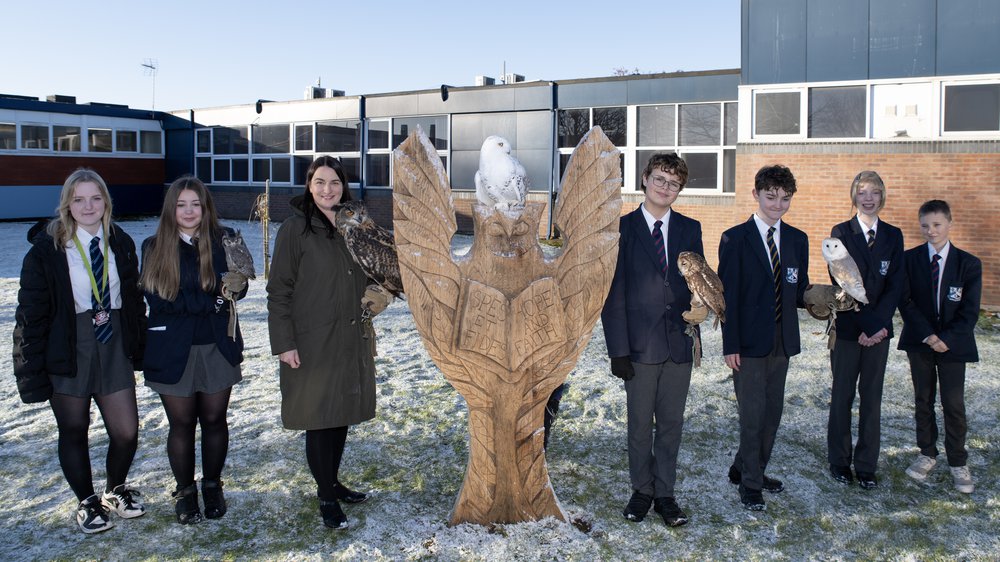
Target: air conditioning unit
(316, 92)
(511, 78)
(485, 80)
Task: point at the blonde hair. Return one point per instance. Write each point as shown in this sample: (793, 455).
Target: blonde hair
(871, 178)
(63, 227)
(161, 273)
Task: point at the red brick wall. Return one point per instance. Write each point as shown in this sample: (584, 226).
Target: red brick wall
(53, 170)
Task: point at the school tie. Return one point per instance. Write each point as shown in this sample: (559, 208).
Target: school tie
(776, 270)
(658, 244)
(101, 331)
(871, 238)
(935, 275)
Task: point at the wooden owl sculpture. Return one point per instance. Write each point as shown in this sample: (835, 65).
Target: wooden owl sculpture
(371, 246)
(844, 269)
(505, 323)
(704, 284)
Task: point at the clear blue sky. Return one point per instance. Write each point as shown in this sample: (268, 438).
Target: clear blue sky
(222, 53)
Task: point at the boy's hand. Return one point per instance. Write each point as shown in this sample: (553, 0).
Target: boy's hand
(622, 368)
(732, 361)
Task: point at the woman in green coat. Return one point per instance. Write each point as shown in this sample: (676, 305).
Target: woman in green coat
(314, 296)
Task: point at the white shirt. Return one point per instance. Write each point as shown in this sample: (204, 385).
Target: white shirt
(944, 257)
(651, 222)
(80, 279)
(763, 227)
(865, 228)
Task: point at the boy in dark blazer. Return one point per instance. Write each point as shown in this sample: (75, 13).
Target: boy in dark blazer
(940, 307)
(645, 333)
(859, 355)
(763, 264)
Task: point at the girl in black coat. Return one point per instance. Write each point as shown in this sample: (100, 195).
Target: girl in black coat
(79, 334)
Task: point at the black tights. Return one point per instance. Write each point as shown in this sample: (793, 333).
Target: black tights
(121, 421)
(324, 449)
(184, 413)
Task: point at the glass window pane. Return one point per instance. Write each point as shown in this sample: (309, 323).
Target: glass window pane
(281, 170)
(241, 170)
(378, 170)
(8, 136)
(837, 112)
(65, 139)
(777, 113)
(35, 136)
(613, 122)
(270, 139)
(230, 141)
(261, 169)
(99, 140)
(302, 164)
(221, 170)
(126, 141)
(204, 168)
(703, 171)
(729, 171)
(303, 137)
(150, 142)
(573, 124)
(974, 107)
(700, 124)
(338, 136)
(732, 123)
(656, 125)
(378, 134)
(352, 167)
(641, 159)
(563, 162)
(204, 141)
(435, 127)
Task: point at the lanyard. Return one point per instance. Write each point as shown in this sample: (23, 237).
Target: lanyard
(90, 271)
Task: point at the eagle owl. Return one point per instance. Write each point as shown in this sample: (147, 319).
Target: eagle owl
(844, 270)
(500, 181)
(238, 257)
(371, 246)
(704, 284)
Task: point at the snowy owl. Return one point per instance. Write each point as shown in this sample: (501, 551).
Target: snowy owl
(704, 284)
(500, 181)
(844, 270)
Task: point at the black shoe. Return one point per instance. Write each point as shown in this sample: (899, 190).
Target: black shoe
(867, 480)
(347, 495)
(215, 501)
(841, 474)
(772, 485)
(752, 499)
(186, 506)
(672, 515)
(333, 516)
(638, 506)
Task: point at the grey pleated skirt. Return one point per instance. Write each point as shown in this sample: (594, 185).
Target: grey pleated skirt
(101, 368)
(207, 371)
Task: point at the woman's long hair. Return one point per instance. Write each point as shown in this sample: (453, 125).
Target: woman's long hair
(309, 208)
(161, 273)
(63, 228)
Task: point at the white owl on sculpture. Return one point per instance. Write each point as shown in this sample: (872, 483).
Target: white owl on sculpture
(844, 270)
(500, 181)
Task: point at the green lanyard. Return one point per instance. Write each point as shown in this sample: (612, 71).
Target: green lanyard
(90, 271)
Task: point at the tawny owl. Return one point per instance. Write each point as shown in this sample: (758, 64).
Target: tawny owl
(500, 181)
(238, 257)
(844, 270)
(704, 284)
(371, 246)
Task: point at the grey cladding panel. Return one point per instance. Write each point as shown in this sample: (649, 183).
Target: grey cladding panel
(591, 94)
(776, 41)
(837, 42)
(968, 40)
(903, 34)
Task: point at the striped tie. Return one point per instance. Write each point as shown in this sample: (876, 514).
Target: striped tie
(871, 238)
(776, 270)
(101, 331)
(935, 280)
(658, 244)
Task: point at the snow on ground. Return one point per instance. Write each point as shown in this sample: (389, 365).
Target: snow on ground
(412, 457)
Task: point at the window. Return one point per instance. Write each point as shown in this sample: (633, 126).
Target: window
(613, 122)
(227, 140)
(656, 125)
(220, 168)
(270, 139)
(777, 113)
(838, 112)
(150, 142)
(699, 124)
(732, 122)
(126, 141)
(35, 136)
(8, 136)
(378, 170)
(573, 124)
(338, 136)
(65, 139)
(301, 164)
(203, 141)
(204, 169)
(352, 167)
(241, 170)
(303, 137)
(703, 170)
(99, 140)
(261, 169)
(378, 134)
(281, 170)
(972, 107)
(435, 127)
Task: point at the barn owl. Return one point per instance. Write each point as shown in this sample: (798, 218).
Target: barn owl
(238, 257)
(371, 246)
(844, 269)
(500, 181)
(704, 284)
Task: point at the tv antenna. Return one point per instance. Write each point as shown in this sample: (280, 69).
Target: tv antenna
(149, 68)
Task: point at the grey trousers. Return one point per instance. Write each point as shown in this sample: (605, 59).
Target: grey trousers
(857, 370)
(760, 397)
(656, 398)
(928, 371)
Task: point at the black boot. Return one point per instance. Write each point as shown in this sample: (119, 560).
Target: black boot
(186, 505)
(347, 495)
(333, 516)
(215, 501)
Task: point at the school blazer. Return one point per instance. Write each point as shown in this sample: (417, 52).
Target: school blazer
(642, 315)
(745, 270)
(882, 273)
(961, 289)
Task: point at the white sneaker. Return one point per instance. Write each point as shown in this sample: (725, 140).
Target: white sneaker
(92, 517)
(921, 467)
(963, 479)
(123, 501)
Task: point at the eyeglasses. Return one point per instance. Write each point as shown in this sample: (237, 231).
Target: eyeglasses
(660, 181)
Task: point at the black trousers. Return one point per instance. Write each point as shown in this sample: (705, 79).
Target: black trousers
(857, 371)
(928, 372)
(760, 397)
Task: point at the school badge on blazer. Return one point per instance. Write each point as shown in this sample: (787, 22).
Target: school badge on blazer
(792, 275)
(884, 267)
(954, 294)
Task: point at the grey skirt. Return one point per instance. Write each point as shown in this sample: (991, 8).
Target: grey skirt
(207, 371)
(101, 368)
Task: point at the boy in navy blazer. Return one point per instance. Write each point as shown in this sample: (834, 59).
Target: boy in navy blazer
(763, 264)
(645, 333)
(940, 308)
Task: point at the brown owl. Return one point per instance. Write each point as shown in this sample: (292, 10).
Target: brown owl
(371, 246)
(704, 284)
(238, 257)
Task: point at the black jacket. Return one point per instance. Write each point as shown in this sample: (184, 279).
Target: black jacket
(881, 269)
(45, 320)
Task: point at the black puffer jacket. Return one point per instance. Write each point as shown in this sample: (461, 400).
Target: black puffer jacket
(45, 320)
